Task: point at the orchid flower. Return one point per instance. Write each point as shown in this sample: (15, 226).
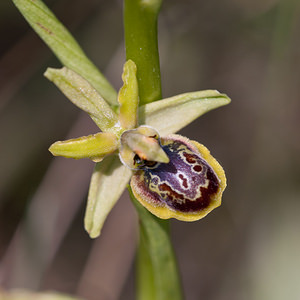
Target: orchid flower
(170, 175)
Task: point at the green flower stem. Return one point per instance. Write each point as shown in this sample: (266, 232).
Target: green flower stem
(157, 275)
(140, 24)
(156, 264)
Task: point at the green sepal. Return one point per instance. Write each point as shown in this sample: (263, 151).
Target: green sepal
(64, 46)
(171, 114)
(94, 146)
(129, 97)
(82, 94)
(108, 182)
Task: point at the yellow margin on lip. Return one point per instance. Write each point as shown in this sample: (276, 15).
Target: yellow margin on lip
(164, 212)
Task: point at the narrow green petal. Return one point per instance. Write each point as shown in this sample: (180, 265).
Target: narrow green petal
(83, 95)
(107, 184)
(171, 114)
(129, 97)
(94, 146)
(64, 46)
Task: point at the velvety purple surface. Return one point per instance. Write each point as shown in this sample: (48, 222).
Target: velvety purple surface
(186, 183)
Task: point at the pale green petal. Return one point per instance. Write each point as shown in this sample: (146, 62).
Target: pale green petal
(94, 146)
(64, 46)
(171, 114)
(129, 97)
(107, 184)
(83, 95)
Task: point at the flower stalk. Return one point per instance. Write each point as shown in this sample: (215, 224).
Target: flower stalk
(157, 273)
(140, 26)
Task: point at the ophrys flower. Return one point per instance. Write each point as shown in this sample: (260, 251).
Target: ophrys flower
(171, 175)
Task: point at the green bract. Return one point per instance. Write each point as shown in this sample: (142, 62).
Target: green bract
(119, 134)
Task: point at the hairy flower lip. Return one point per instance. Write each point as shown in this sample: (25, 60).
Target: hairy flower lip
(152, 199)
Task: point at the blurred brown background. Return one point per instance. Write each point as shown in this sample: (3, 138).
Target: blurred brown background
(249, 248)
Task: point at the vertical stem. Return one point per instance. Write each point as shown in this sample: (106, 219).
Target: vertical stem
(145, 284)
(157, 273)
(140, 23)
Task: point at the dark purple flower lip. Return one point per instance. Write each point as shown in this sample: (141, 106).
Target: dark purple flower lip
(187, 187)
